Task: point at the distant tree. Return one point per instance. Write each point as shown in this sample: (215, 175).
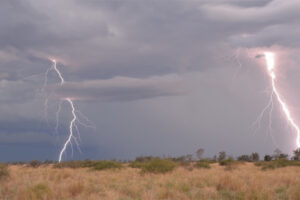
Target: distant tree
(200, 153)
(222, 156)
(35, 163)
(296, 154)
(244, 158)
(254, 157)
(189, 157)
(268, 158)
(277, 153)
(283, 156)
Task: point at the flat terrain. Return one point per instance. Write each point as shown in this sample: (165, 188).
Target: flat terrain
(246, 181)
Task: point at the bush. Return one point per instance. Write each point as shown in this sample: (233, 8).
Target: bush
(145, 158)
(4, 173)
(181, 161)
(203, 164)
(35, 163)
(158, 166)
(98, 165)
(227, 162)
(268, 158)
(277, 164)
(39, 191)
(137, 164)
(245, 158)
(74, 164)
(102, 165)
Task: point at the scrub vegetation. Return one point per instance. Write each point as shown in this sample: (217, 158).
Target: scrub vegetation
(153, 178)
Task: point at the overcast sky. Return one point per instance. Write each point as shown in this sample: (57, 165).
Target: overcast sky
(154, 77)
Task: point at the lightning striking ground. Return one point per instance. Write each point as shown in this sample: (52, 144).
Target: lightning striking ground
(71, 135)
(73, 128)
(270, 60)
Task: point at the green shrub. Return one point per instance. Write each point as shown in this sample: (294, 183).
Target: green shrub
(182, 161)
(98, 165)
(75, 164)
(4, 173)
(137, 164)
(277, 164)
(158, 166)
(87, 163)
(102, 165)
(145, 158)
(39, 191)
(203, 164)
(227, 162)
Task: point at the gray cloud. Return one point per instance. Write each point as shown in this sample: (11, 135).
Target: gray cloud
(112, 53)
(121, 89)
(277, 11)
(275, 23)
(22, 130)
(281, 35)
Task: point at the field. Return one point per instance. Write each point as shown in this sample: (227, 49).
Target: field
(243, 181)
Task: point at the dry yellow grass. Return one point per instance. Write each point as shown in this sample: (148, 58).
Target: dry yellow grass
(246, 181)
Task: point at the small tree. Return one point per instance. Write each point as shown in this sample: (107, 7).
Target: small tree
(283, 156)
(254, 157)
(200, 153)
(268, 158)
(296, 154)
(222, 156)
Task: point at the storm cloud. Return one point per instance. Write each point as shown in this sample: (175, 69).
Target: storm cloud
(121, 89)
(145, 71)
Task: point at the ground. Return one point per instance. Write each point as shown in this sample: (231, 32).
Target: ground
(245, 181)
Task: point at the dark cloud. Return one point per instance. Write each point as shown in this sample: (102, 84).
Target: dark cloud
(25, 131)
(112, 53)
(121, 89)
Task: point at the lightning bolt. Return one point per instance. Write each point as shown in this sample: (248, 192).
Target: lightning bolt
(73, 128)
(270, 60)
(71, 135)
(62, 80)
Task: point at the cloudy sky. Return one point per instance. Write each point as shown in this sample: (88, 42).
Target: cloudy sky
(154, 77)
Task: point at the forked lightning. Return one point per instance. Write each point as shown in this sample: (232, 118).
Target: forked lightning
(270, 60)
(72, 126)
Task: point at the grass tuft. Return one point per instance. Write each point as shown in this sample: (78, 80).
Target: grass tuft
(279, 163)
(4, 173)
(204, 163)
(159, 166)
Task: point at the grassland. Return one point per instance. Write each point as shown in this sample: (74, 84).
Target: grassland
(243, 181)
